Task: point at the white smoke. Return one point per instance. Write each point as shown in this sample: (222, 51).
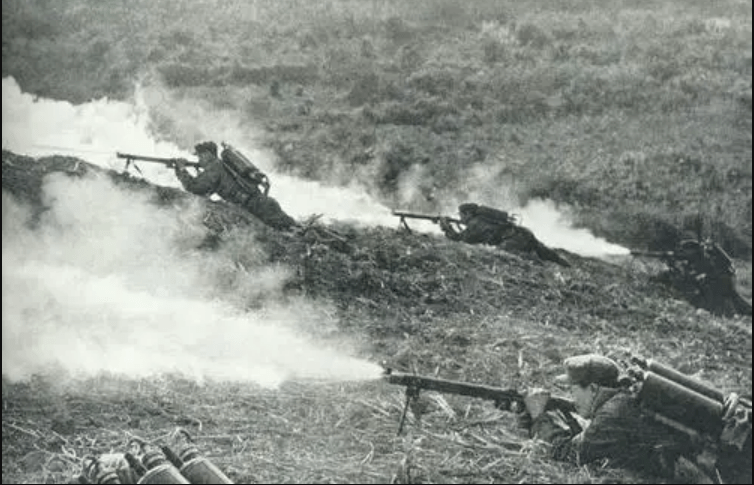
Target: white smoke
(106, 282)
(94, 131)
(553, 227)
(192, 120)
(487, 184)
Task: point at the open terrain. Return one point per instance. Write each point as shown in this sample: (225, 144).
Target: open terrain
(634, 115)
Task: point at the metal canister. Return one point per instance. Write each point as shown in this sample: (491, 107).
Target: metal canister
(107, 477)
(682, 404)
(199, 470)
(160, 470)
(685, 380)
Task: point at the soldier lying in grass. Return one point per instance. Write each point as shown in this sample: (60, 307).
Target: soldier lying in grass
(485, 225)
(215, 178)
(622, 431)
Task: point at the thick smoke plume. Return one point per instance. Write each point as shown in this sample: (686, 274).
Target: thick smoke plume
(488, 184)
(164, 123)
(107, 282)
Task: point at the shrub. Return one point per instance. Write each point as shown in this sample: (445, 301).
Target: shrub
(531, 35)
(434, 82)
(493, 51)
(397, 30)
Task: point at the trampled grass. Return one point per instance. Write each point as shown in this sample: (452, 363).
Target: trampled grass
(637, 116)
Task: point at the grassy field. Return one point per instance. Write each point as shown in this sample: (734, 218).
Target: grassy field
(416, 302)
(636, 115)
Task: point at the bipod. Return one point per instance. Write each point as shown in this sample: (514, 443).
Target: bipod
(412, 394)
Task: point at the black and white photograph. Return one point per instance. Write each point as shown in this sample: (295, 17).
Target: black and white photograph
(377, 241)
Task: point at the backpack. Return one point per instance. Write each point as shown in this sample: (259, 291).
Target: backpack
(243, 171)
(494, 215)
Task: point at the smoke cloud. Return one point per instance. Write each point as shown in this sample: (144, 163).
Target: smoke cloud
(166, 123)
(488, 184)
(190, 120)
(105, 281)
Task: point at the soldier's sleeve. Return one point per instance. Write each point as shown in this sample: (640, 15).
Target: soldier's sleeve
(620, 433)
(604, 437)
(610, 434)
(552, 426)
(205, 183)
(449, 230)
(452, 234)
(474, 233)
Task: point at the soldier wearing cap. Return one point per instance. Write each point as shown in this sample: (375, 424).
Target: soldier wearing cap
(485, 225)
(477, 230)
(214, 178)
(615, 427)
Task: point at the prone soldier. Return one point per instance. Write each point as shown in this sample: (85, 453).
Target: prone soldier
(638, 427)
(219, 177)
(703, 272)
(485, 225)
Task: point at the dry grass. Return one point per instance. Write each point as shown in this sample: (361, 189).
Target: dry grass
(420, 303)
(625, 112)
(303, 432)
(628, 114)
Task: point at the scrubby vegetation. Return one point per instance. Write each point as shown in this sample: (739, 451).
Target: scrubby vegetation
(635, 114)
(417, 302)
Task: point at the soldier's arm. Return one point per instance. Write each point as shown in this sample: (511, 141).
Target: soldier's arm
(552, 426)
(618, 432)
(474, 233)
(205, 183)
(449, 230)
(603, 437)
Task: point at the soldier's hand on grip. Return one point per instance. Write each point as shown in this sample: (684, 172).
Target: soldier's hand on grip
(536, 401)
(445, 224)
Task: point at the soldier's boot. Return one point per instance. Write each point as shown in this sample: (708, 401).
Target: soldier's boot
(268, 210)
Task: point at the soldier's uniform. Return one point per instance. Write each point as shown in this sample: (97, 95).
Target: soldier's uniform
(709, 271)
(622, 432)
(477, 230)
(218, 180)
(502, 232)
(618, 430)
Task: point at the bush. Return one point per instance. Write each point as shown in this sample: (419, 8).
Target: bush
(531, 35)
(184, 75)
(364, 90)
(398, 31)
(493, 51)
(433, 82)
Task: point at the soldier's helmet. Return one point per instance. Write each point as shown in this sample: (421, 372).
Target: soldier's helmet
(468, 208)
(590, 369)
(207, 146)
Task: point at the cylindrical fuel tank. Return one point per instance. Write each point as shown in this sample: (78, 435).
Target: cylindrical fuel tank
(681, 404)
(199, 470)
(684, 380)
(239, 162)
(160, 470)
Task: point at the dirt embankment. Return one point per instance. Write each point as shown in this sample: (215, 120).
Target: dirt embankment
(404, 277)
(418, 301)
(393, 273)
